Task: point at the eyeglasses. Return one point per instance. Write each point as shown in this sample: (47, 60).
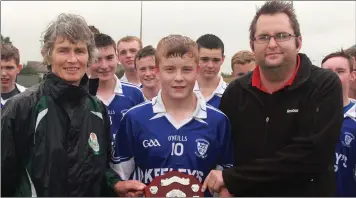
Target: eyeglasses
(280, 37)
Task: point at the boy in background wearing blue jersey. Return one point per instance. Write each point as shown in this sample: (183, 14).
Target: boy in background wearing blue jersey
(211, 57)
(177, 130)
(345, 155)
(117, 96)
(146, 70)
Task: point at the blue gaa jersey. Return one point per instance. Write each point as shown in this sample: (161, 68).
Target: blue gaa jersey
(214, 99)
(125, 96)
(149, 143)
(345, 155)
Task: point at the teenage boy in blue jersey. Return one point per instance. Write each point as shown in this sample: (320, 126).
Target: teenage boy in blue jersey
(117, 96)
(345, 155)
(211, 57)
(146, 70)
(177, 130)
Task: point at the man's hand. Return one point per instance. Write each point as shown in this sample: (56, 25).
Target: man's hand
(214, 182)
(129, 188)
(225, 193)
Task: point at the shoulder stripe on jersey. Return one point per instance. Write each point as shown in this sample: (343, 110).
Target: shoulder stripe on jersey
(215, 109)
(130, 85)
(134, 107)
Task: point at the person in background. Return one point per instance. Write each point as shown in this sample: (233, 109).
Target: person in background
(242, 63)
(117, 96)
(211, 56)
(127, 48)
(345, 156)
(352, 52)
(146, 69)
(285, 116)
(10, 68)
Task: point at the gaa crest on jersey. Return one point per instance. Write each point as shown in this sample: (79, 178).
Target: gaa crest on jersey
(93, 143)
(348, 138)
(202, 148)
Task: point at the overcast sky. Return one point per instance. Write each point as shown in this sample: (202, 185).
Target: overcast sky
(325, 26)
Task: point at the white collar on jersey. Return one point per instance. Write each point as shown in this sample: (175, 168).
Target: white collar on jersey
(219, 91)
(117, 91)
(19, 87)
(124, 79)
(352, 111)
(118, 87)
(199, 112)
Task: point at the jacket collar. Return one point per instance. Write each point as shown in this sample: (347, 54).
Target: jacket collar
(301, 77)
(60, 89)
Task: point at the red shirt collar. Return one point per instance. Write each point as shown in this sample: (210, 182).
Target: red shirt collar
(256, 78)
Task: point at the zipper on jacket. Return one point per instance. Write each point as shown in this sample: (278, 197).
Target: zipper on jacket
(266, 132)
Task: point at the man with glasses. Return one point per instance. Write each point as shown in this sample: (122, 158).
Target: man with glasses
(10, 68)
(285, 116)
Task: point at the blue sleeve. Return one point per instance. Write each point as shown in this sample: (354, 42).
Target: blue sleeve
(141, 99)
(122, 159)
(226, 157)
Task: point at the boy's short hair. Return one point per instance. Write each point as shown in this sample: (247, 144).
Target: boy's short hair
(242, 57)
(104, 40)
(176, 46)
(145, 52)
(342, 54)
(9, 52)
(210, 41)
(129, 39)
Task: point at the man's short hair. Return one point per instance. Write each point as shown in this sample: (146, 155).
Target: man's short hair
(210, 41)
(342, 54)
(104, 40)
(129, 39)
(242, 57)
(9, 52)
(176, 46)
(145, 52)
(94, 29)
(275, 7)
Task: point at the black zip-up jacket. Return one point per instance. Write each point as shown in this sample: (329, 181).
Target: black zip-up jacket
(285, 141)
(55, 141)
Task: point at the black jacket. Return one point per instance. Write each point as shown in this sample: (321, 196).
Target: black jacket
(285, 141)
(55, 141)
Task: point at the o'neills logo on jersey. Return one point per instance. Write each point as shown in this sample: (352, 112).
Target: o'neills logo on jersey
(93, 143)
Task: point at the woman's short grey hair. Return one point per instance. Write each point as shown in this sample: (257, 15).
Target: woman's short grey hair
(71, 27)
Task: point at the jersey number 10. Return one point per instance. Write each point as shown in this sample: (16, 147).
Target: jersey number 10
(177, 148)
